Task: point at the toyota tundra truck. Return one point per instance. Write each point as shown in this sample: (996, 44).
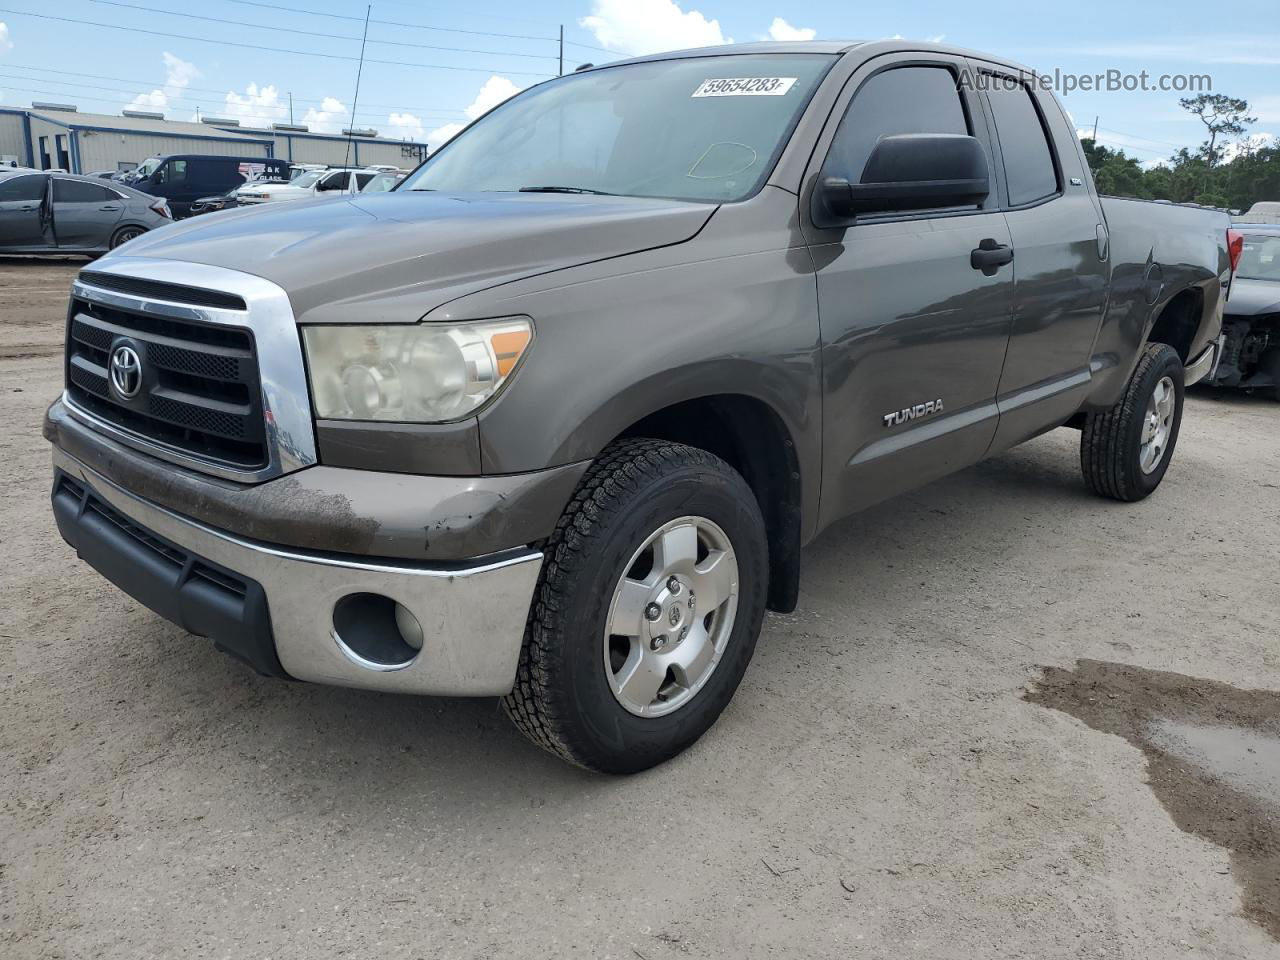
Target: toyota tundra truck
(552, 420)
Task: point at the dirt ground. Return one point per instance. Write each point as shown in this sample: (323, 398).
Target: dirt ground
(897, 776)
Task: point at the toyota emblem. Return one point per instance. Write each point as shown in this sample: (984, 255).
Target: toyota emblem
(126, 371)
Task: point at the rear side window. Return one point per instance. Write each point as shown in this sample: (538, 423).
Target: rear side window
(22, 188)
(901, 100)
(1028, 158)
(76, 191)
(362, 179)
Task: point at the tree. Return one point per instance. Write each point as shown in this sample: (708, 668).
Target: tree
(1222, 116)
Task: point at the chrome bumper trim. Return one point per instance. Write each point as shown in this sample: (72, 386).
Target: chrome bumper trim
(472, 616)
(1199, 368)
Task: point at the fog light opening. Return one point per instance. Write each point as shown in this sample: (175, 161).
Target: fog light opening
(376, 632)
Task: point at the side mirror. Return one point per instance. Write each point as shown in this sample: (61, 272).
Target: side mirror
(910, 171)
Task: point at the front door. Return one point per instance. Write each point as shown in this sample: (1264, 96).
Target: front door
(84, 214)
(913, 333)
(24, 212)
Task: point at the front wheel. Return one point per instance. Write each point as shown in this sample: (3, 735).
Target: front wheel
(647, 610)
(1125, 451)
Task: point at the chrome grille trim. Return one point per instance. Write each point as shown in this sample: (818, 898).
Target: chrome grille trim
(286, 403)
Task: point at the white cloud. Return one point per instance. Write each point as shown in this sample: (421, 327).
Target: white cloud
(635, 27)
(405, 126)
(330, 118)
(495, 90)
(5, 43)
(781, 30)
(256, 107)
(178, 75)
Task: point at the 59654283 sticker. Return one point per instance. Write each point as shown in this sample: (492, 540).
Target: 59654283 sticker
(745, 87)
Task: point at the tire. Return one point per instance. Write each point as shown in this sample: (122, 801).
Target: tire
(125, 234)
(1114, 455)
(564, 697)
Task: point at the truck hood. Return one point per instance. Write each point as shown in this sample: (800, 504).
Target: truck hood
(1251, 298)
(392, 257)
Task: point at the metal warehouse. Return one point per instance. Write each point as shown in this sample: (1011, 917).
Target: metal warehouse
(48, 136)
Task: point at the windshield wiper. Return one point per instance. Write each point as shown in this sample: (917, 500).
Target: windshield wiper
(598, 193)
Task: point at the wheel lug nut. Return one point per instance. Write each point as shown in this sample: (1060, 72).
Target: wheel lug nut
(673, 585)
(652, 612)
(657, 643)
(691, 601)
(684, 633)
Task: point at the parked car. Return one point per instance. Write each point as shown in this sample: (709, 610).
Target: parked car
(185, 178)
(221, 201)
(1250, 356)
(553, 421)
(314, 183)
(65, 213)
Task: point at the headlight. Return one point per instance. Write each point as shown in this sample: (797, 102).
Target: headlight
(420, 373)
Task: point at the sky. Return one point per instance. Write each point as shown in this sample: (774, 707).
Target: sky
(430, 67)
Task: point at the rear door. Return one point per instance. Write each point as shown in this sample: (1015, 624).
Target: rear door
(24, 212)
(1060, 271)
(913, 335)
(84, 214)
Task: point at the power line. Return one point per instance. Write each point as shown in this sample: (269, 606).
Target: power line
(255, 46)
(327, 36)
(413, 26)
(219, 90)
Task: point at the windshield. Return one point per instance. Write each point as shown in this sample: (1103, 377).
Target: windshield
(1260, 258)
(308, 178)
(381, 183)
(147, 168)
(707, 129)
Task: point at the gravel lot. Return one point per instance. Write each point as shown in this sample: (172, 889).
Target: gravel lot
(881, 786)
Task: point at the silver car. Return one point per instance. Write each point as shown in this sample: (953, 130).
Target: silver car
(45, 212)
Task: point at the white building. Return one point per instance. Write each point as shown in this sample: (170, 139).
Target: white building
(45, 136)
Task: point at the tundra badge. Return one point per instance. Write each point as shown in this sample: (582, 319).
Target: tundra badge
(911, 413)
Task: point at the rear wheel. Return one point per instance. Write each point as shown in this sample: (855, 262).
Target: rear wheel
(1125, 451)
(125, 234)
(647, 611)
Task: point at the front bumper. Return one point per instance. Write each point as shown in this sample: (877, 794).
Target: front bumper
(276, 607)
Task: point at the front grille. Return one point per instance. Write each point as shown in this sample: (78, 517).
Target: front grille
(199, 393)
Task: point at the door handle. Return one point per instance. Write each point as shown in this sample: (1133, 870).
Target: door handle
(989, 256)
(111, 207)
(29, 206)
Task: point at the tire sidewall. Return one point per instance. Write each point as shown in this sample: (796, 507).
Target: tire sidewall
(1168, 365)
(611, 737)
(124, 235)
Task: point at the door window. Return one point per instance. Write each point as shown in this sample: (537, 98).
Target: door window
(18, 189)
(897, 101)
(1028, 158)
(175, 171)
(337, 181)
(362, 179)
(77, 191)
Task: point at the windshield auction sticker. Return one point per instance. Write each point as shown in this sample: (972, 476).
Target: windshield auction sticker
(745, 87)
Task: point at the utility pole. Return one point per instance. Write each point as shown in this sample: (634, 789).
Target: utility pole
(197, 114)
(562, 49)
(291, 108)
(1095, 128)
